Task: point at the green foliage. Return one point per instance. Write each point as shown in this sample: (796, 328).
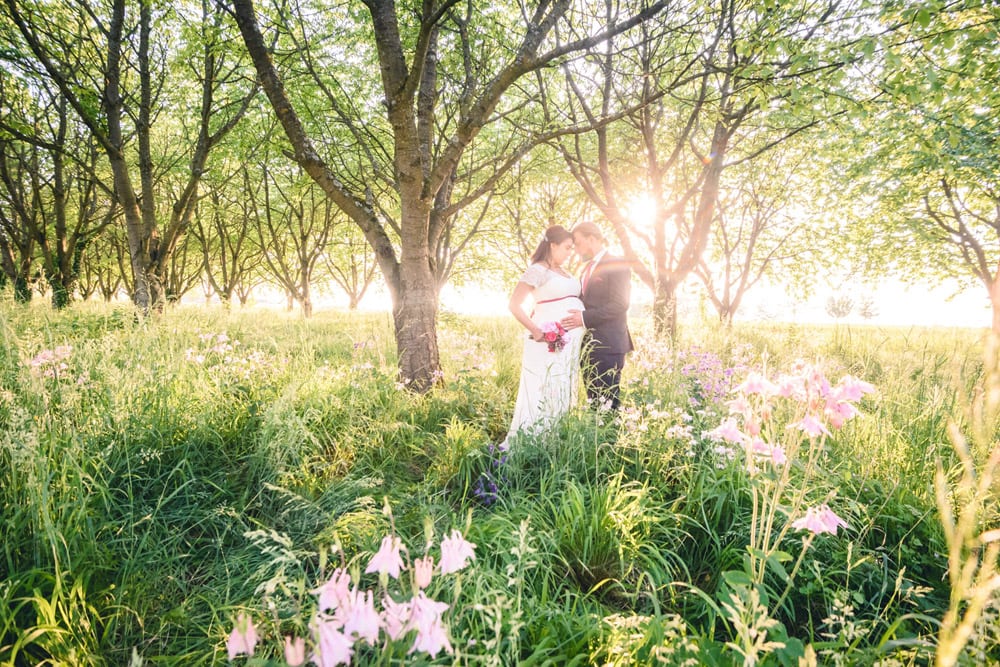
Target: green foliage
(169, 476)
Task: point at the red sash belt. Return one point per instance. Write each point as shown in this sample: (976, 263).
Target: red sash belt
(568, 296)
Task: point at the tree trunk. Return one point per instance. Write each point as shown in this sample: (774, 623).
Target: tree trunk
(665, 309)
(61, 294)
(305, 294)
(22, 290)
(995, 303)
(415, 320)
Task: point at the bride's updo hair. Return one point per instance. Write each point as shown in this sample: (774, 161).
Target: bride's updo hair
(554, 234)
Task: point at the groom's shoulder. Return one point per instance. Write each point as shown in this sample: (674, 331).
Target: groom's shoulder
(616, 263)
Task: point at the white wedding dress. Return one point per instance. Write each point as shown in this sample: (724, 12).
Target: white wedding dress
(548, 379)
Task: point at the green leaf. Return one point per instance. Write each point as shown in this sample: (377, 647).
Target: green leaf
(923, 18)
(737, 578)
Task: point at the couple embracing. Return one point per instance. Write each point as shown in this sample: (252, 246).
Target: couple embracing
(571, 317)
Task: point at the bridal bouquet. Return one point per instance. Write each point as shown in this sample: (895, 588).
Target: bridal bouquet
(555, 335)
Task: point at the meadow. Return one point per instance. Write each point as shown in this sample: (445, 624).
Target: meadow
(163, 481)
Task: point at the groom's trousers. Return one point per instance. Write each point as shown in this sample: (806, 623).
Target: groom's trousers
(602, 375)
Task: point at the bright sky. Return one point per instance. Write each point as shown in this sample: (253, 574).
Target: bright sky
(895, 304)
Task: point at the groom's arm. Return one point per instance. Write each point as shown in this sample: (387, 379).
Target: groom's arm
(618, 280)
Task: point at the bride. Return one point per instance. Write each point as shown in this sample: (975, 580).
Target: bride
(551, 361)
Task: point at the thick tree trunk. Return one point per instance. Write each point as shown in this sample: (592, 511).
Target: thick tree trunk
(62, 295)
(415, 320)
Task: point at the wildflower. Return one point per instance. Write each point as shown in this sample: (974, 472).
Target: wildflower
(454, 552)
(361, 618)
(739, 406)
(295, 651)
(423, 570)
(728, 431)
(432, 639)
(424, 611)
(243, 638)
(395, 617)
(774, 452)
(387, 560)
(852, 389)
(820, 520)
(332, 646)
(812, 426)
(838, 412)
(757, 384)
(334, 593)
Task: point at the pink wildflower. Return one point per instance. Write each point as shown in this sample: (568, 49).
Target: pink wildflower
(728, 431)
(820, 520)
(332, 646)
(334, 593)
(454, 553)
(774, 452)
(423, 571)
(425, 611)
(739, 406)
(395, 617)
(432, 639)
(295, 651)
(757, 384)
(838, 412)
(243, 638)
(812, 426)
(361, 618)
(387, 559)
(852, 389)
(791, 386)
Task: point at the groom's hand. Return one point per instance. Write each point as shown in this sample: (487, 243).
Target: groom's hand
(572, 321)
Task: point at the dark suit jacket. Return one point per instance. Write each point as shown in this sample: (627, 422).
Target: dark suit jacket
(606, 301)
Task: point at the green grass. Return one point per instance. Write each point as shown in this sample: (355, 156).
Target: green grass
(160, 484)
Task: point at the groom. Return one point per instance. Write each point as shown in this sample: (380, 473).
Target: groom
(606, 284)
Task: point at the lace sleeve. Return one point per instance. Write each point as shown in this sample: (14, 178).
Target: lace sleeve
(535, 275)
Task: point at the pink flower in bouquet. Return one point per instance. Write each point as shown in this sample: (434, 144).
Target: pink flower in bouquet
(555, 335)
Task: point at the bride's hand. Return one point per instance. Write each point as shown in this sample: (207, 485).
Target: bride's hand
(537, 335)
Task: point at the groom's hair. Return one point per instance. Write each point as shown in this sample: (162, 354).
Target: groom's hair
(589, 229)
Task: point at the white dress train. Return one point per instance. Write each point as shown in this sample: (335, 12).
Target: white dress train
(549, 380)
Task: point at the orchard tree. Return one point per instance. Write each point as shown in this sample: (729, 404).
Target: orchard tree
(294, 223)
(448, 71)
(49, 180)
(934, 125)
(722, 84)
(224, 227)
(350, 262)
(114, 62)
(763, 228)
